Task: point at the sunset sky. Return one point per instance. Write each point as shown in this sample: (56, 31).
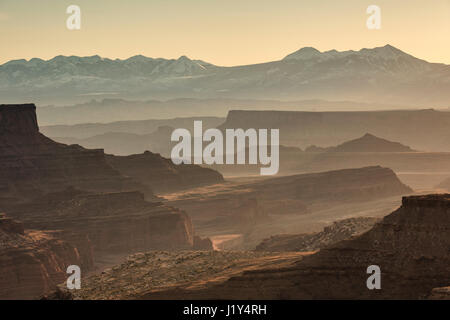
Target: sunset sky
(222, 32)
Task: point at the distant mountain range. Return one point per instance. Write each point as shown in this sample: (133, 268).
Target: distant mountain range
(379, 75)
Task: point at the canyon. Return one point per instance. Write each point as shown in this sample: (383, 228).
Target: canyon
(33, 262)
(302, 236)
(77, 201)
(410, 245)
(258, 208)
(360, 139)
(302, 128)
(162, 175)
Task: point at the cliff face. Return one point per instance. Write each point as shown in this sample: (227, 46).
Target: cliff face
(75, 195)
(411, 247)
(15, 121)
(32, 165)
(292, 194)
(261, 208)
(302, 129)
(52, 186)
(114, 222)
(160, 174)
(33, 262)
(360, 184)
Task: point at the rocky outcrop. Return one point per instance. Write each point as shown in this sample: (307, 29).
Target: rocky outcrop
(15, 120)
(32, 165)
(338, 231)
(302, 129)
(77, 196)
(94, 226)
(360, 184)
(121, 222)
(259, 208)
(411, 247)
(34, 262)
(161, 174)
(52, 186)
(217, 211)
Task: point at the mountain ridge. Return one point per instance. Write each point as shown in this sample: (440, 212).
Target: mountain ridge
(139, 57)
(369, 75)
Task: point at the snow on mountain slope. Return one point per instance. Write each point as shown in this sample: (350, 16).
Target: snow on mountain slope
(383, 74)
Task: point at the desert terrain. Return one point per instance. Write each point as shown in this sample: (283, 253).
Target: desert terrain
(141, 227)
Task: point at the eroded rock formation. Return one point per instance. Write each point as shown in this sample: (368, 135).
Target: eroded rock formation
(237, 208)
(411, 247)
(32, 164)
(75, 195)
(34, 262)
(121, 222)
(52, 186)
(160, 174)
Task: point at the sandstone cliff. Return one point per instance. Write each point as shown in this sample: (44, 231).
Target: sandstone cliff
(359, 184)
(77, 196)
(34, 262)
(238, 208)
(121, 222)
(302, 129)
(160, 174)
(32, 164)
(52, 186)
(411, 246)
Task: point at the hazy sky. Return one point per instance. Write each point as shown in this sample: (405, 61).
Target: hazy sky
(223, 32)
